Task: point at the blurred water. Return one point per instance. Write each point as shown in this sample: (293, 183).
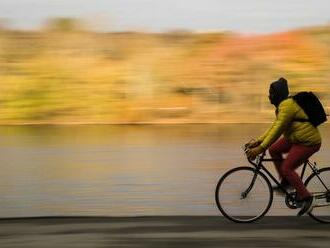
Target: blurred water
(121, 170)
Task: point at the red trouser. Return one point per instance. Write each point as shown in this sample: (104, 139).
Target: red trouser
(297, 154)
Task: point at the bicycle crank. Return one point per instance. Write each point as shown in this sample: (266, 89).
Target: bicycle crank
(290, 201)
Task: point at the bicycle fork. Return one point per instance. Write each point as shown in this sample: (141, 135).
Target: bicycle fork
(247, 191)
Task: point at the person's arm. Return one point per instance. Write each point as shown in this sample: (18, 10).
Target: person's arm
(254, 143)
(286, 113)
(261, 138)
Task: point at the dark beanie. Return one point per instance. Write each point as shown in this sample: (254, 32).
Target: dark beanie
(280, 90)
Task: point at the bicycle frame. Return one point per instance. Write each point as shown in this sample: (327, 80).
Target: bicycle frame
(259, 166)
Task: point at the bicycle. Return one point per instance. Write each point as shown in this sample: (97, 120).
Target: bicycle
(244, 194)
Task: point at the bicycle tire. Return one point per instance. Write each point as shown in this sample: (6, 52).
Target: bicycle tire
(314, 185)
(236, 188)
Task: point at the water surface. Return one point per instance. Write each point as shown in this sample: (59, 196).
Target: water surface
(121, 170)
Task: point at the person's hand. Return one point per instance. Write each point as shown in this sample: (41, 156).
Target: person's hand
(254, 152)
(253, 143)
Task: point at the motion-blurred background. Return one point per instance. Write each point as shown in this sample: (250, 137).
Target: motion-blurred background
(66, 69)
(143, 61)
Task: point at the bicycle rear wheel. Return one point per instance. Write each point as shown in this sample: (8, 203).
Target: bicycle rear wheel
(320, 190)
(232, 201)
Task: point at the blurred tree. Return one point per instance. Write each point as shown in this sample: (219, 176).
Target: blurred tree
(64, 24)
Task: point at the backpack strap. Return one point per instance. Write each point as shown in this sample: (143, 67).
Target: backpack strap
(301, 120)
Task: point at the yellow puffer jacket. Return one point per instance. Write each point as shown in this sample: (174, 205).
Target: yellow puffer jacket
(294, 131)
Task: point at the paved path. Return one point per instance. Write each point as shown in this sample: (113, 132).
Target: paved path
(159, 232)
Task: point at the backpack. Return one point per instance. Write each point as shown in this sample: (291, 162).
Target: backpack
(312, 106)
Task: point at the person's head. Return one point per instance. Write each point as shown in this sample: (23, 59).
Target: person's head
(278, 91)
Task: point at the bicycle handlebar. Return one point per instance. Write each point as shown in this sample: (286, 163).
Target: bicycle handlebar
(259, 157)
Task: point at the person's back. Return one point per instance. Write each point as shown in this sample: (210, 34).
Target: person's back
(300, 132)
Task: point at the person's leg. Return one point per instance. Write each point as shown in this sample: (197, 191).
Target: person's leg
(297, 155)
(276, 150)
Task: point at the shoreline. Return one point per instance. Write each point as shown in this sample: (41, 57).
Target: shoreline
(135, 123)
(127, 123)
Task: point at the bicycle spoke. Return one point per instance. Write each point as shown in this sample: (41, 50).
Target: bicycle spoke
(321, 210)
(318, 205)
(240, 200)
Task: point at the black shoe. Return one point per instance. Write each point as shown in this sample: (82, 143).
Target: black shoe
(307, 206)
(279, 190)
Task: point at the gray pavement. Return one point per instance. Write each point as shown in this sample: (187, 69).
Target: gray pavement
(162, 231)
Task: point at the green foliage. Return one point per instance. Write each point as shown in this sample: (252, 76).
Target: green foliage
(63, 24)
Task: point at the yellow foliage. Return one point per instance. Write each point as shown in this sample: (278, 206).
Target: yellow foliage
(70, 76)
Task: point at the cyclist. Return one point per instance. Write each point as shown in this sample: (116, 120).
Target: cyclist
(300, 140)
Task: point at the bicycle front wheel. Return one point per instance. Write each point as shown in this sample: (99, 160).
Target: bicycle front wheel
(319, 185)
(243, 195)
